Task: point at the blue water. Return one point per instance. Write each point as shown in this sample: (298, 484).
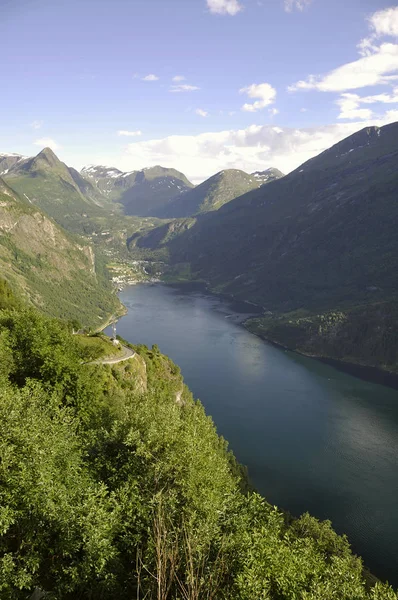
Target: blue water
(313, 438)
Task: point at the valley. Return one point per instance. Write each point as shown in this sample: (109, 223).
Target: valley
(313, 248)
(199, 300)
(312, 258)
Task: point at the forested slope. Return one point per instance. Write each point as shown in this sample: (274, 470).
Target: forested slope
(51, 269)
(115, 484)
(317, 242)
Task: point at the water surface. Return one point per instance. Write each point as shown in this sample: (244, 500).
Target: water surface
(313, 438)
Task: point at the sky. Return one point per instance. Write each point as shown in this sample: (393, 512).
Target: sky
(198, 85)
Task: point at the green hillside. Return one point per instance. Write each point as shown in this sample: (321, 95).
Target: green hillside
(46, 182)
(141, 193)
(115, 484)
(49, 269)
(319, 239)
(211, 194)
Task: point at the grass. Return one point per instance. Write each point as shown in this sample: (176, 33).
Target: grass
(97, 346)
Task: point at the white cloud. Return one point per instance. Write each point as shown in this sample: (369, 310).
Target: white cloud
(381, 23)
(124, 132)
(349, 108)
(224, 7)
(36, 124)
(150, 77)
(378, 64)
(296, 4)
(350, 104)
(201, 112)
(391, 116)
(381, 67)
(184, 87)
(264, 91)
(254, 148)
(177, 78)
(385, 22)
(47, 143)
(273, 112)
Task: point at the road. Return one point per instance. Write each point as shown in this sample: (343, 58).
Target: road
(113, 360)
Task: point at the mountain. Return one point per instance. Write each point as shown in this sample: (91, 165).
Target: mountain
(48, 183)
(268, 175)
(8, 161)
(321, 238)
(48, 267)
(141, 193)
(215, 192)
(103, 179)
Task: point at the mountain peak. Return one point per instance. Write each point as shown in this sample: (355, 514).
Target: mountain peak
(268, 175)
(49, 156)
(361, 146)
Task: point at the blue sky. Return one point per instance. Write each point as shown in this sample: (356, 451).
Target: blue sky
(200, 85)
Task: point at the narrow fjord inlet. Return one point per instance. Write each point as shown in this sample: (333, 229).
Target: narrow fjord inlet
(199, 300)
(313, 438)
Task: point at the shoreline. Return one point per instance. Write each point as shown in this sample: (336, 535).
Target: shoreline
(114, 317)
(363, 372)
(199, 286)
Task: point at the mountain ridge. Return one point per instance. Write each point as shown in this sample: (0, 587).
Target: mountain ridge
(140, 192)
(319, 240)
(217, 190)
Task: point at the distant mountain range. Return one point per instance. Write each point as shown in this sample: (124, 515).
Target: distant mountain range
(317, 249)
(216, 191)
(338, 209)
(141, 193)
(321, 239)
(71, 196)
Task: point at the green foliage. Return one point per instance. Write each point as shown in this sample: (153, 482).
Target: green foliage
(364, 335)
(7, 296)
(321, 239)
(49, 268)
(211, 194)
(115, 484)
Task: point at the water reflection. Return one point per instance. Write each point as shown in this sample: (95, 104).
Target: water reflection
(312, 437)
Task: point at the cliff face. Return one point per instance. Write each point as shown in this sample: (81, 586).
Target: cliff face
(47, 266)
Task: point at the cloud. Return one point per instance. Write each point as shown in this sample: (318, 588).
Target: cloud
(264, 91)
(391, 116)
(201, 112)
(224, 7)
(150, 77)
(349, 108)
(300, 5)
(378, 64)
(273, 112)
(178, 78)
(184, 87)
(381, 23)
(350, 104)
(379, 68)
(126, 133)
(254, 148)
(47, 143)
(36, 124)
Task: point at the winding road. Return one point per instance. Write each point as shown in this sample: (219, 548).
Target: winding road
(113, 360)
